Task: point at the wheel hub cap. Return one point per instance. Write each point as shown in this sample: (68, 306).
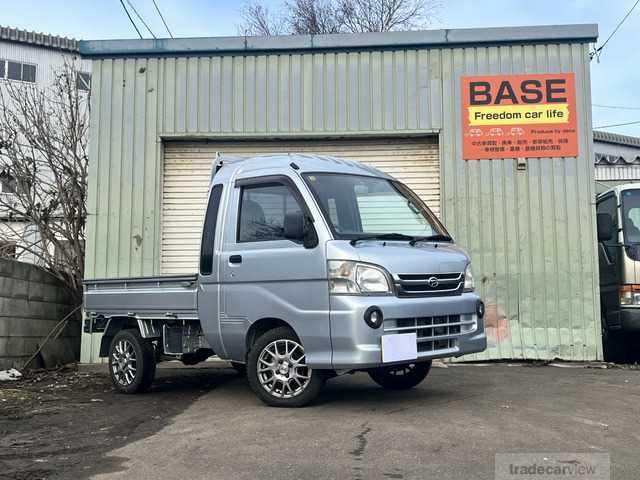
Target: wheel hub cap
(123, 362)
(282, 369)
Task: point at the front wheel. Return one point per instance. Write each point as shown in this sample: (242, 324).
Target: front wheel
(278, 373)
(400, 377)
(132, 362)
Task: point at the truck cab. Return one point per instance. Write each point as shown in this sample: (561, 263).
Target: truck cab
(310, 267)
(618, 225)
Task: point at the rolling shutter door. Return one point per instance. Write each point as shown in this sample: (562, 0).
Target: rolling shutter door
(187, 169)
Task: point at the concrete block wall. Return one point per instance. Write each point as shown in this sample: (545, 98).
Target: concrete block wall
(32, 301)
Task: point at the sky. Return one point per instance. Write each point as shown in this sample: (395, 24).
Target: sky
(615, 75)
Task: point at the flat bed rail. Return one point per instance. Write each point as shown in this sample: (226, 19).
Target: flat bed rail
(162, 297)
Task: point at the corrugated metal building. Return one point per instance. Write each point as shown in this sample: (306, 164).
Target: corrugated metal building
(617, 159)
(162, 108)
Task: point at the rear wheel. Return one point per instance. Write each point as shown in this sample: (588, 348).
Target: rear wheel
(400, 377)
(278, 373)
(132, 362)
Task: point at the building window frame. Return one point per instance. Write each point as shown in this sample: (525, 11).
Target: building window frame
(4, 71)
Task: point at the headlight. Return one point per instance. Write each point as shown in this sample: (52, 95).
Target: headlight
(630, 295)
(353, 278)
(468, 280)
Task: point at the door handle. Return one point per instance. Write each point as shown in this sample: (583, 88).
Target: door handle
(235, 259)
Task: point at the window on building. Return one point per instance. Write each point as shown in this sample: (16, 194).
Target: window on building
(7, 250)
(83, 81)
(262, 212)
(7, 183)
(23, 72)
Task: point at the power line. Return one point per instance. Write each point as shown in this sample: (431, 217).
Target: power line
(599, 49)
(618, 124)
(616, 107)
(130, 19)
(145, 23)
(162, 18)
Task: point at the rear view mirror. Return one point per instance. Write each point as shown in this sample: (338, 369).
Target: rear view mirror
(294, 228)
(605, 227)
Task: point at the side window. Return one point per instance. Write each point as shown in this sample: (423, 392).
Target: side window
(209, 231)
(262, 211)
(610, 206)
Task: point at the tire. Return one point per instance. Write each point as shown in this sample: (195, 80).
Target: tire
(616, 346)
(240, 368)
(282, 386)
(400, 377)
(132, 362)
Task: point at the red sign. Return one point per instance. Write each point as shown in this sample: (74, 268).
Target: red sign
(516, 116)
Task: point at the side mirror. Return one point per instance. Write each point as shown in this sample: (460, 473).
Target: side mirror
(294, 227)
(605, 227)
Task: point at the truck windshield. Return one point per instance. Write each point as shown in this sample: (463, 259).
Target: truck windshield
(631, 215)
(358, 206)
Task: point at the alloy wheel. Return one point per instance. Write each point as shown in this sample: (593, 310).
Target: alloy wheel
(282, 369)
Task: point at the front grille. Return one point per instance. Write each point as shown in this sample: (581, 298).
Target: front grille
(429, 284)
(433, 333)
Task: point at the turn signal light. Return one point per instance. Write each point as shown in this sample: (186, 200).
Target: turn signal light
(630, 295)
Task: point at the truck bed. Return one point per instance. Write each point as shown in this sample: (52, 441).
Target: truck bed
(164, 297)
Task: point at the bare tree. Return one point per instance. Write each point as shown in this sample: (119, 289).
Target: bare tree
(338, 16)
(43, 158)
(312, 17)
(385, 15)
(258, 20)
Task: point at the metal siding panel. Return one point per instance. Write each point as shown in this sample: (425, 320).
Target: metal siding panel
(93, 173)
(353, 69)
(193, 100)
(535, 251)
(104, 149)
(249, 112)
(127, 158)
(137, 233)
(204, 94)
(226, 94)
(238, 94)
(115, 165)
(261, 94)
(152, 164)
(530, 234)
(307, 93)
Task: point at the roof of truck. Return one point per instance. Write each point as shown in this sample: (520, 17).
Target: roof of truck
(620, 188)
(275, 164)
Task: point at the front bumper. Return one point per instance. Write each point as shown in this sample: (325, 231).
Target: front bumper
(355, 345)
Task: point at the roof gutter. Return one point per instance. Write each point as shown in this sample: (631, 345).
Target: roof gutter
(340, 42)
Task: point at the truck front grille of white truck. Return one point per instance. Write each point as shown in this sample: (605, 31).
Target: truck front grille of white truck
(433, 333)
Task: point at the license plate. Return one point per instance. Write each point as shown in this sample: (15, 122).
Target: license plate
(399, 347)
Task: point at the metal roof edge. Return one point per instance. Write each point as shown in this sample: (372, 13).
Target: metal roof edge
(38, 39)
(616, 138)
(343, 41)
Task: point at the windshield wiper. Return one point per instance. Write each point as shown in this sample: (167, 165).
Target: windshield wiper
(431, 238)
(383, 236)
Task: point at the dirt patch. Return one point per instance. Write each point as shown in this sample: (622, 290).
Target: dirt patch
(61, 424)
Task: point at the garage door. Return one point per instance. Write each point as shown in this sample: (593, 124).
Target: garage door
(187, 169)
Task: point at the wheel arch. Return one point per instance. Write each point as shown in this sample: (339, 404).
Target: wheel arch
(262, 326)
(114, 325)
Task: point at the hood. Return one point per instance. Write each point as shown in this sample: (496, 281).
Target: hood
(400, 257)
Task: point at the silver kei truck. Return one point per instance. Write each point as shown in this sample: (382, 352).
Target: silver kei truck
(310, 267)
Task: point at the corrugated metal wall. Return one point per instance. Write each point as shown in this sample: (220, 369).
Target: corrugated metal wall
(530, 234)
